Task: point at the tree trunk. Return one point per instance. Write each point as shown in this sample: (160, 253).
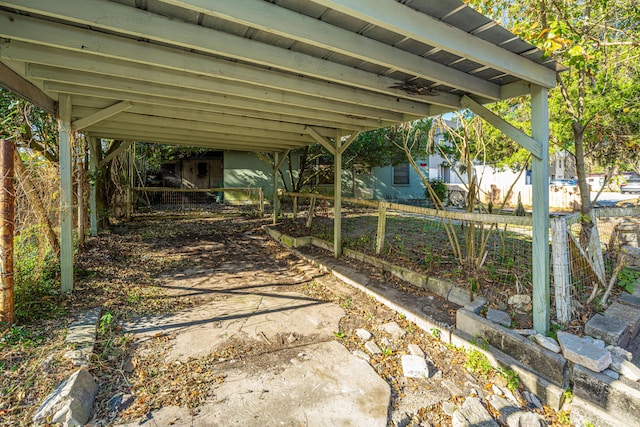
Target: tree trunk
(36, 204)
(7, 206)
(585, 195)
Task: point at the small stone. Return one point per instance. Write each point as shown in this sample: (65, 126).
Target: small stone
(519, 301)
(583, 352)
(437, 376)
(415, 350)
(547, 342)
(372, 347)
(414, 366)
(625, 368)
(120, 402)
(472, 413)
(476, 305)
(496, 390)
(532, 399)
(453, 389)
(362, 355)
(619, 351)
(525, 332)
(363, 334)
(386, 342)
(291, 338)
(499, 317)
(393, 329)
(449, 408)
(611, 373)
(128, 366)
(511, 395)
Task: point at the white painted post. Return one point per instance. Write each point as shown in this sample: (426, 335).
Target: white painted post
(561, 282)
(540, 179)
(93, 170)
(261, 197)
(276, 201)
(382, 225)
(66, 193)
(337, 197)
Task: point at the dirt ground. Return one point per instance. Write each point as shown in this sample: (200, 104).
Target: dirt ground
(128, 271)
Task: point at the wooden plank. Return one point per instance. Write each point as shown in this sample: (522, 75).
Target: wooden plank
(522, 221)
(26, 90)
(321, 140)
(261, 201)
(382, 225)
(66, 193)
(508, 129)
(112, 154)
(561, 279)
(101, 115)
(540, 176)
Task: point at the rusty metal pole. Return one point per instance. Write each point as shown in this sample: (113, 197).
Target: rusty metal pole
(7, 203)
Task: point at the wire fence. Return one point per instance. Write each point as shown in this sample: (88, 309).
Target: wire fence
(487, 254)
(146, 200)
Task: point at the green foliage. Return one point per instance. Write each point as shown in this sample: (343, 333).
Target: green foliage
(439, 188)
(19, 335)
(477, 362)
(105, 322)
(627, 277)
(435, 332)
(387, 351)
(553, 330)
(339, 334)
(36, 273)
(511, 377)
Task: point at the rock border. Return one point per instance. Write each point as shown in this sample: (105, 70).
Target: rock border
(549, 384)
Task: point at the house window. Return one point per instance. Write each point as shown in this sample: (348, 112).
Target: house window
(202, 169)
(401, 174)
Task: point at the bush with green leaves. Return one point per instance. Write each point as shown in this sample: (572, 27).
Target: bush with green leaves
(439, 188)
(36, 276)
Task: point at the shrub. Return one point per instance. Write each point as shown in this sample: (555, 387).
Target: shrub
(439, 188)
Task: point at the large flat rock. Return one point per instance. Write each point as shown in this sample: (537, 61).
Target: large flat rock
(200, 330)
(327, 386)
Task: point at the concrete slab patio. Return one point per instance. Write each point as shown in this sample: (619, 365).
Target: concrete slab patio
(313, 380)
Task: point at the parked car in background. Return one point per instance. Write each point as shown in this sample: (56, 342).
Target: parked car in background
(631, 186)
(564, 182)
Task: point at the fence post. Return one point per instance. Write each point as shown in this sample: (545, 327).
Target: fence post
(312, 209)
(295, 207)
(7, 202)
(595, 250)
(261, 197)
(93, 170)
(382, 225)
(562, 284)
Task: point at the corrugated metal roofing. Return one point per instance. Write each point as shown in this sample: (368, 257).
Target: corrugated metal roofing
(254, 74)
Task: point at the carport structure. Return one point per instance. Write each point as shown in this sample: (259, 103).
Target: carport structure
(269, 76)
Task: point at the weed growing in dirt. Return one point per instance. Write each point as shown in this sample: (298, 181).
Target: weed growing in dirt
(478, 363)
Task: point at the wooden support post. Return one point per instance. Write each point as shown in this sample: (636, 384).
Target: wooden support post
(93, 170)
(80, 198)
(66, 193)
(561, 282)
(382, 225)
(7, 209)
(276, 204)
(295, 208)
(261, 197)
(540, 177)
(312, 209)
(337, 197)
(129, 193)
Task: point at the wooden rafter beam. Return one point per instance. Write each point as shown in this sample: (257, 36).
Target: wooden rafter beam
(325, 142)
(505, 127)
(116, 148)
(101, 115)
(15, 83)
(348, 142)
